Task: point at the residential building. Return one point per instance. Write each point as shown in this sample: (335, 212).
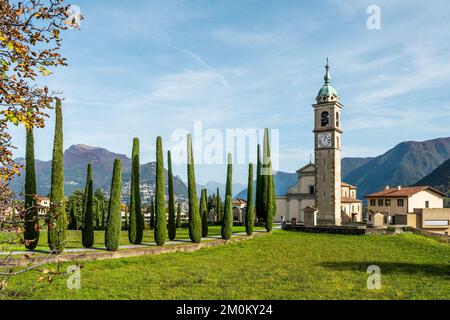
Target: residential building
(420, 207)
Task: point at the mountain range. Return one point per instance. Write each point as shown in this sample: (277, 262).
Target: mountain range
(439, 178)
(405, 164)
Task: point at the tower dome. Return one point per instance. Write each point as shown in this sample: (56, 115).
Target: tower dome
(327, 92)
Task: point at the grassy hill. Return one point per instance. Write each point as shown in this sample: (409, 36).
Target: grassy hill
(299, 266)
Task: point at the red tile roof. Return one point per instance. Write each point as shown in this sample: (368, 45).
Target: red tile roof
(403, 192)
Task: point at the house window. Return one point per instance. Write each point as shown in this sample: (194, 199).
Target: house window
(380, 202)
(400, 203)
(427, 204)
(372, 202)
(337, 119)
(311, 189)
(387, 202)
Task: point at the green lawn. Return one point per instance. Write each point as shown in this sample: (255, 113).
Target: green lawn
(283, 265)
(74, 238)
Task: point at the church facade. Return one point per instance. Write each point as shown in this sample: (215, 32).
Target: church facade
(319, 185)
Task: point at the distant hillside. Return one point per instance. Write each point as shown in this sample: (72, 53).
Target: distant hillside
(76, 159)
(349, 164)
(405, 164)
(439, 178)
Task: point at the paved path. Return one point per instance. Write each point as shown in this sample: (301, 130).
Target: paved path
(131, 246)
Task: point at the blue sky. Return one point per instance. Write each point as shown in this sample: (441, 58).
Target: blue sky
(146, 68)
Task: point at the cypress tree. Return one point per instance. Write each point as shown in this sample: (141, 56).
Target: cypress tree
(172, 222)
(103, 215)
(114, 217)
(87, 233)
(273, 195)
(136, 220)
(125, 222)
(85, 195)
(218, 204)
(268, 192)
(97, 214)
(160, 214)
(258, 202)
(271, 205)
(57, 221)
(73, 216)
(250, 210)
(179, 225)
(227, 221)
(195, 221)
(204, 213)
(152, 213)
(31, 233)
(228, 190)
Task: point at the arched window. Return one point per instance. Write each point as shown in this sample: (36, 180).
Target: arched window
(325, 119)
(337, 119)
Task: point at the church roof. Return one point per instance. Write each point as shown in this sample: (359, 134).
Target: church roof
(309, 165)
(327, 90)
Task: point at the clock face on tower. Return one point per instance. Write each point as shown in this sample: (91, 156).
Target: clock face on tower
(324, 140)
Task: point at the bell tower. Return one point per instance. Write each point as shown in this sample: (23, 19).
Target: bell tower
(327, 145)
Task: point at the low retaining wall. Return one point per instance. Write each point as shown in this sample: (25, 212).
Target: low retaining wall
(348, 230)
(327, 229)
(441, 237)
(33, 259)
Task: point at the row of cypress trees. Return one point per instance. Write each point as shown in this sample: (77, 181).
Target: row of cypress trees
(198, 214)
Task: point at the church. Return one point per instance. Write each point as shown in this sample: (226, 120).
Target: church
(319, 186)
